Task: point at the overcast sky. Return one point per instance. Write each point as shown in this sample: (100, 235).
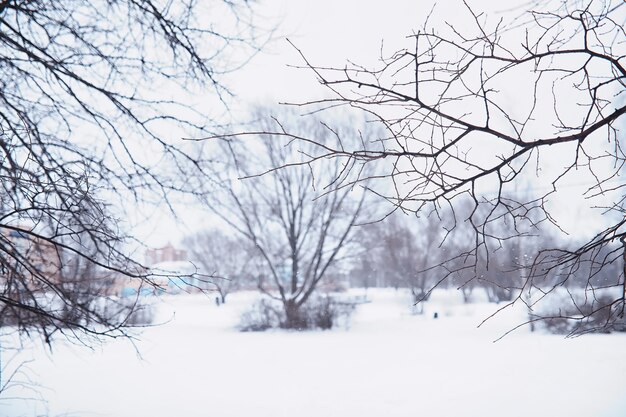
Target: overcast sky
(329, 33)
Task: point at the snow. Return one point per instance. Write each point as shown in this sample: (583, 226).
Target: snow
(388, 363)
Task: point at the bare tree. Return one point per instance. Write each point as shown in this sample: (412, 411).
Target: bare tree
(299, 227)
(389, 252)
(478, 114)
(229, 260)
(87, 92)
(396, 254)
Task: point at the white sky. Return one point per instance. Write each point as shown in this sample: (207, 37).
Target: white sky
(329, 33)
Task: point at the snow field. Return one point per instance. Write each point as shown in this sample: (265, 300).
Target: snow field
(388, 363)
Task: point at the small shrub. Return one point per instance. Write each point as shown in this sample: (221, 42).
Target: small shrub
(129, 311)
(599, 314)
(99, 310)
(264, 314)
(141, 315)
(324, 313)
(321, 312)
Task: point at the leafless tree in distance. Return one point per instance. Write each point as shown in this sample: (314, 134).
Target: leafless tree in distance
(478, 114)
(299, 222)
(91, 96)
(228, 260)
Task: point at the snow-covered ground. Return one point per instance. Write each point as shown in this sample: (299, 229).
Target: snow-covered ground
(388, 363)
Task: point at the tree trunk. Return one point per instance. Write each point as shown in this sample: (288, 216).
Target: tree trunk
(293, 316)
(467, 294)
